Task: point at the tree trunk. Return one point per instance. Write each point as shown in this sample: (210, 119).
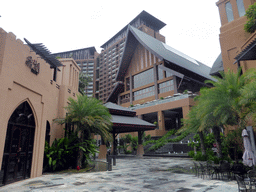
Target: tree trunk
(80, 151)
(216, 132)
(201, 136)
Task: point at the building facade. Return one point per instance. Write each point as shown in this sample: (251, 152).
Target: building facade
(35, 88)
(85, 60)
(107, 62)
(236, 44)
(157, 81)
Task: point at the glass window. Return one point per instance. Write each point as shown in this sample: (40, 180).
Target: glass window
(127, 83)
(168, 74)
(166, 86)
(240, 7)
(143, 78)
(143, 93)
(229, 12)
(160, 74)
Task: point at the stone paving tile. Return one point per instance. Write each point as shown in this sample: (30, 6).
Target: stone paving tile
(132, 174)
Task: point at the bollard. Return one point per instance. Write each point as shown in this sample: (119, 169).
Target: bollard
(114, 160)
(109, 163)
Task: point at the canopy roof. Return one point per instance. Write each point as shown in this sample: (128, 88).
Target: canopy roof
(177, 61)
(125, 124)
(115, 109)
(248, 53)
(124, 120)
(41, 50)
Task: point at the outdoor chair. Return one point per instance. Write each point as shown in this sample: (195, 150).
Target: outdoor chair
(202, 170)
(241, 184)
(225, 169)
(209, 168)
(196, 168)
(252, 178)
(216, 171)
(238, 169)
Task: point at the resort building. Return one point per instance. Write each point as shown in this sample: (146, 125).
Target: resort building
(85, 60)
(107, 62)
(237, 46)
(35, 88)
(156, 80)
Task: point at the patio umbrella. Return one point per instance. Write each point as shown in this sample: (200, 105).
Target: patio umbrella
(248, 156)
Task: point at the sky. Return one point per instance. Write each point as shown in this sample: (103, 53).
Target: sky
(192, 27)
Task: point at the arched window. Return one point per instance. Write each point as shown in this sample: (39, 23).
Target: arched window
(240, 7)
(229, 12)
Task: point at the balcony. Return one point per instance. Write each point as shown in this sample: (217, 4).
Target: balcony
(165, 100)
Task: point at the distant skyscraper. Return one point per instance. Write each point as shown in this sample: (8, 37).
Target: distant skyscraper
(85, 60)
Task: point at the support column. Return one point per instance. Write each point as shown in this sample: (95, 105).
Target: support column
(131, 97)
(118, 100)
(161, 123)
(175, 84)
(102, 150)
(155, 81)
(114, 144)
(114, 148)
(185, 111)
(140, 149)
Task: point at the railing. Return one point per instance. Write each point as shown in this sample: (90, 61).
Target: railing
(161, 101)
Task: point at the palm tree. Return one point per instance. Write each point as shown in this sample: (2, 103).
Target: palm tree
(84, 81)
(221, 105)
(192, 124)
(248, 97)
(89, 116)
(230, 102)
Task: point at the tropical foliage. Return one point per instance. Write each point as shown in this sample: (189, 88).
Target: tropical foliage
(165, 139)
(250, 25)
(84, 81)
(62, 153)
(231, 102)
(89, 116)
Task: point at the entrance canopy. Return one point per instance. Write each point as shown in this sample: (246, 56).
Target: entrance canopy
(248, 53)
(124, 120)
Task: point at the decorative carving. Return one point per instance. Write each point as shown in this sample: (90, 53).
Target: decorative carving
(33, 65)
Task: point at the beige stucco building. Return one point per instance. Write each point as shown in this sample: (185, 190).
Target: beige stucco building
(34, 88)
(237, 46)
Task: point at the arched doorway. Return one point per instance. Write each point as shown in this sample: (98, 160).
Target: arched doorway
(47, 133)
(17, 157)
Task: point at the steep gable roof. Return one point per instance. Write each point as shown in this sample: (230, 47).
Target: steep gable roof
(217, 66)
(176, 58)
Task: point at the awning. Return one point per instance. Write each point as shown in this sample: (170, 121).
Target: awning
(248, 53)
(41, 50)
(125, 124)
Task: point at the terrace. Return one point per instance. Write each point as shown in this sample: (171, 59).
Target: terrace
(175, 97)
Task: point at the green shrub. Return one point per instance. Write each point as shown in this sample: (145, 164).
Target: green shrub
(127, 152)
(147, 138)
(191, 154)
(62, 154)
(250, 25)
(163, 140)
(199, 157)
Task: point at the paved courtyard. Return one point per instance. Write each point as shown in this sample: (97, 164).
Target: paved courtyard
(130, 174)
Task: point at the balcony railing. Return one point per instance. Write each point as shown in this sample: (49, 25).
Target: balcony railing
(161, 101)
